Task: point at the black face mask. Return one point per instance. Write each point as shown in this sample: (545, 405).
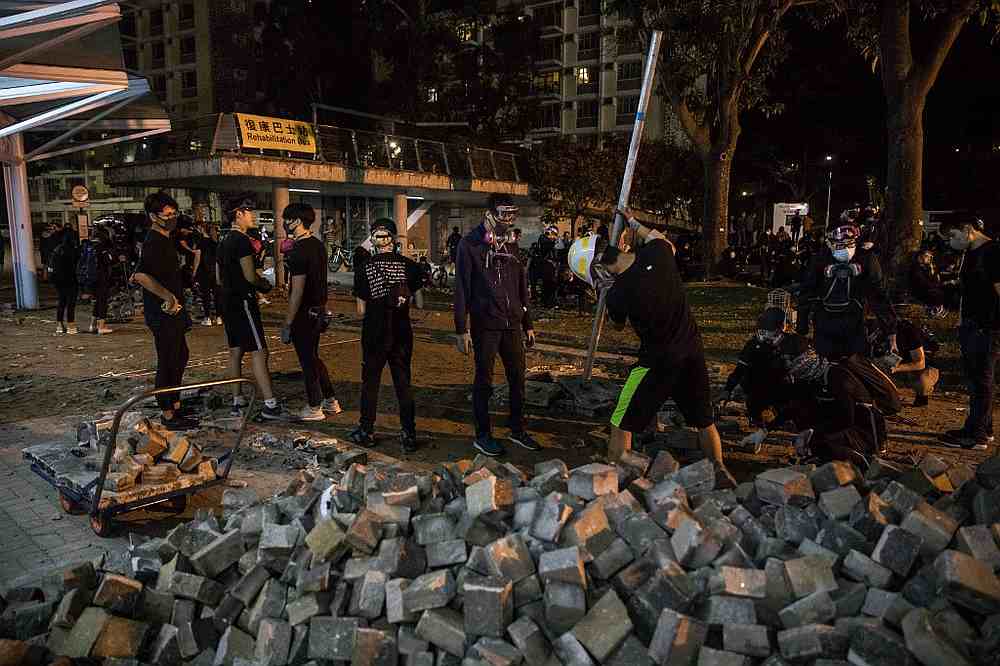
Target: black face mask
(500, 230)
(289, 228)
(169, 224)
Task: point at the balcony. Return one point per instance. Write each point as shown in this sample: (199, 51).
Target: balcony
(158, 63)
(629, 84)
(188, 57)
(546, 91)
(625, 119)
(585, 122)
(585, 21)
(189, 92)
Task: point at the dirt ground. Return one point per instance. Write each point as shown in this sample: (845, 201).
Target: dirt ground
(42, 374)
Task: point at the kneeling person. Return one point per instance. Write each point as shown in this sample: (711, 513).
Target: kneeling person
(647, 292)
(913, 368)
(385, 285)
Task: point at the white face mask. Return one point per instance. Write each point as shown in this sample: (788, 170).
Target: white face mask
(844, 254)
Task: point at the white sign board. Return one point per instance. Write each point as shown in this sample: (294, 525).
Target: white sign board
(784, 212)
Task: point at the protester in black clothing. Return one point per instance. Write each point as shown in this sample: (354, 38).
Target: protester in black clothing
(795, 226)
(426, 271)
(647, 292)
(492, 318)
(241, 282)
(911, 363)
(100, 287)
(544, 266)
(843, 282)
(602, 231)
(979, 327)
(62, 264)
(307, 316)
(159, 274)
(453, 240)
(386, 286)
(925, 283)
(205, 276)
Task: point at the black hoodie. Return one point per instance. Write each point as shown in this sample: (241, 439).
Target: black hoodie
(491, 287)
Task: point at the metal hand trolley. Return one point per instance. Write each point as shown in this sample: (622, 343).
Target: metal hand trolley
(103, 512)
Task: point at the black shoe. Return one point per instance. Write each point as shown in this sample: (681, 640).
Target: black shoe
(921, 401)
(178, 423)
(525, 441)
(362, 437)
(488, 446)
(960, 439)
(408, 442)
(275, 413)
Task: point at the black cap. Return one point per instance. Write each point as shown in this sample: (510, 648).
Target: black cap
(386, 223)
(241, 200)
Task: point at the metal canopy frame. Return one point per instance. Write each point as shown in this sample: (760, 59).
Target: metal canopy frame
(62, 97)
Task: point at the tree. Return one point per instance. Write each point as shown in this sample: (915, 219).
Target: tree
(714, 63)
(573, 177)
(908, 42)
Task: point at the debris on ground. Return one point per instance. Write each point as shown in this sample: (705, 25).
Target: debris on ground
(643, 562)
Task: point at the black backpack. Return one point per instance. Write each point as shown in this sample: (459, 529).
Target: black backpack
(61, 265)
(86, 267)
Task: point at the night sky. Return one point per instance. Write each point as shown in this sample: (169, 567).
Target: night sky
(834, 105)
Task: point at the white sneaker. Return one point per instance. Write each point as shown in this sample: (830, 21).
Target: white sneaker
(218, 321)
(105, 330)
(71, 330)
(59, 329)
(207, 321)
(311, 414)
(331, 406)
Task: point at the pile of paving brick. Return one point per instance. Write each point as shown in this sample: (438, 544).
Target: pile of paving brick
(644, 562)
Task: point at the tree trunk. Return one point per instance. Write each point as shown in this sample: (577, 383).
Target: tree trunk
(716, 218)
(904, 199)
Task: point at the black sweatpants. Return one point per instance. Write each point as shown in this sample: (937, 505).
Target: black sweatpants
(314, 372)
(102, 293)
(509, 345)
(171, 355)
(839, 334)
(208, 289)
(397, 355)
(66, 308)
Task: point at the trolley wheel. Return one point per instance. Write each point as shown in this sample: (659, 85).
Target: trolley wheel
(69, 505)
(101, 524)
(176, 504)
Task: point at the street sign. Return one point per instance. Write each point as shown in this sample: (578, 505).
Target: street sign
(276, 134)
(80, 194)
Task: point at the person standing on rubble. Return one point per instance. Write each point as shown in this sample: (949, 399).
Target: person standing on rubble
(386, 284)
(645, 289)
(159, 275)
(492, 317)
(307, 316)
(237, 273)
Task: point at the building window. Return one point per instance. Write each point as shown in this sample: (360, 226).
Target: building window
(130, 57)
(127, 25)
(630, 75)
(189, 83)
(547, 84)
(587, 80)
(627, 106)
(589, 46)
(549, 16)
(156, 22)
(185, 19)
(590, 13)
(432, 95)
(466, 31)
(551, 49)
(160, 84)
(188, 49)
(159, 56)
(628, 43)
(587, 113)
(549, 117)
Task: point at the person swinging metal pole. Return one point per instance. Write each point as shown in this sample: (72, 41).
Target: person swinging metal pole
(633, 154)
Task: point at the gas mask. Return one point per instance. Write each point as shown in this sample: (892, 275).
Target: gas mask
(843, 254)
(959, 244)
(770, 337)
(381, 240)
(168, 223)
(501, 220)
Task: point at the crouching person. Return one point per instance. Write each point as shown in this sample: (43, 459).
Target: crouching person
(647, 291)
(385, 284)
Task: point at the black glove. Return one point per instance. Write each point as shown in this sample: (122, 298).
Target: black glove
(262, 285)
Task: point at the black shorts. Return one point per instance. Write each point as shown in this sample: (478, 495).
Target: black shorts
(244, 328)
(647, 389)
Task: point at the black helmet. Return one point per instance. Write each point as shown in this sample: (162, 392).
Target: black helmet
(384, 223)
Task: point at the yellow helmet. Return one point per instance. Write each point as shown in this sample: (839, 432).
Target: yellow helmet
(581, 257)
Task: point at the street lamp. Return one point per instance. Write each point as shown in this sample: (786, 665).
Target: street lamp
(829, 189)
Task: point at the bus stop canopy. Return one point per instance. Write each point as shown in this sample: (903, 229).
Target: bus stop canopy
(62, 80)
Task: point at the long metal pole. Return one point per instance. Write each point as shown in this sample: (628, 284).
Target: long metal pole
(829, 193)
(623, 196)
